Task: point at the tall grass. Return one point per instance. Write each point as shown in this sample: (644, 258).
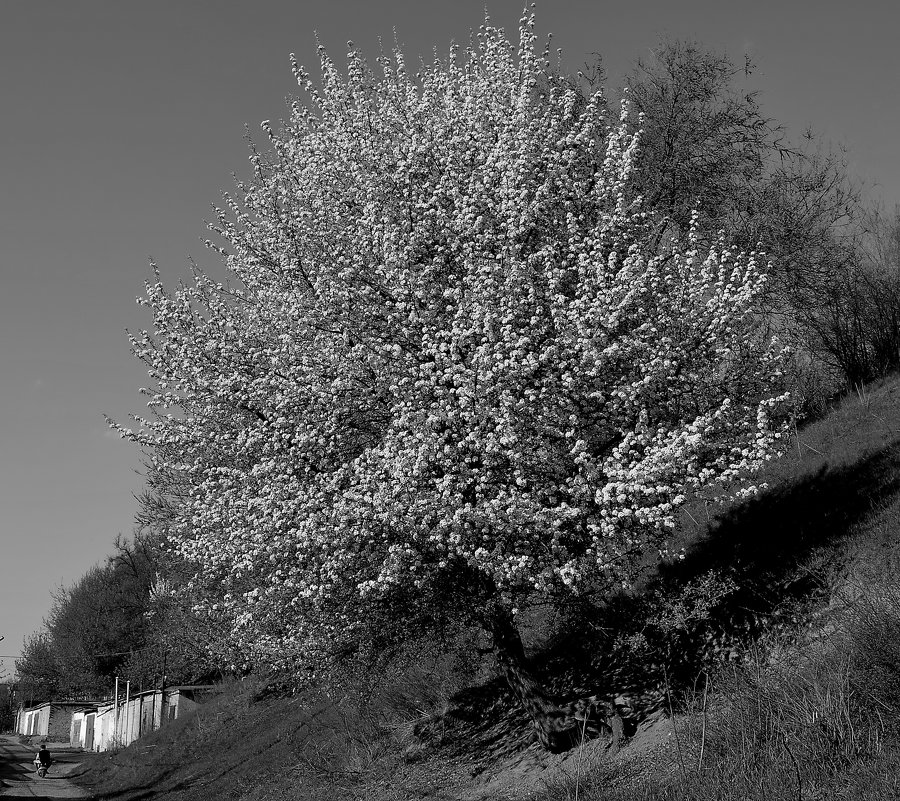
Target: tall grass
(809, 721)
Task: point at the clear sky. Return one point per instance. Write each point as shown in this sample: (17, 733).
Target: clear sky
(123, 120)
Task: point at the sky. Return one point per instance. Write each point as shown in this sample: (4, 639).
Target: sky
(123, 121)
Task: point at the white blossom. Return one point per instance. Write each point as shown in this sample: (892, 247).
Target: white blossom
(447, 341)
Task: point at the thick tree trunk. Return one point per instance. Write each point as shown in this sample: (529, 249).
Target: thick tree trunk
(559, 727)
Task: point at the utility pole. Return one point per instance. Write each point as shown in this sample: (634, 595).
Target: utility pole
(116, 716)
(128, 710)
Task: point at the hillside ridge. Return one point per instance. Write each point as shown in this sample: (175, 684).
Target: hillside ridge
(793, 561)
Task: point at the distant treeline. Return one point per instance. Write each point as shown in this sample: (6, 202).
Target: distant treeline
(834, 280)
(115, 621)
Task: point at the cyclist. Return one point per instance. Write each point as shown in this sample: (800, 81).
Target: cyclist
(43, 759)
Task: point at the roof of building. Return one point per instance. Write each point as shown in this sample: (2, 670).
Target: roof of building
(167, 690)
(84, 704)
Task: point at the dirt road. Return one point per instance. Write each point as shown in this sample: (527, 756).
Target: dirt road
(17, 776)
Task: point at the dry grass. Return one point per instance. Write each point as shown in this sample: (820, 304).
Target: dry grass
(819, 720)
(812, 709)
(805, 713)
(251, 743)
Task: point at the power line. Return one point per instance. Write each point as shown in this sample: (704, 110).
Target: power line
(108, 653)
(130, 651)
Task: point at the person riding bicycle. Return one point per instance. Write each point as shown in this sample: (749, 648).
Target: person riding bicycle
(43, 759)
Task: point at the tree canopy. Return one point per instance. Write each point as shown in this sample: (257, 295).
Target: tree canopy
(115, 621)
(709, 153)
(452, 369)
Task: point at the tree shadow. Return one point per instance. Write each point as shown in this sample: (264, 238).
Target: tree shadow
(770, 552)
(137, 793)
(13, 771)
(765, 539)
(132, 794)
(483, 724)
(762, 563)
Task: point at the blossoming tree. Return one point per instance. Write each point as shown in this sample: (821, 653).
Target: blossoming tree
(448, 374)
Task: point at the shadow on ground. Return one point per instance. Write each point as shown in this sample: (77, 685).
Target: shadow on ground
(771, 556)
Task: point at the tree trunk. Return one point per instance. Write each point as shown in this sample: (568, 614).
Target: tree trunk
(559, 727)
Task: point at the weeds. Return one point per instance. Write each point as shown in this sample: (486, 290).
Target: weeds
(816, 720)
(807, 713)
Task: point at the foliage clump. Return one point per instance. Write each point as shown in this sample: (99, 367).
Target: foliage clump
(452, 370)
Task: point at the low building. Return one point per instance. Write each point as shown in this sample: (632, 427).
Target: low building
(106, 727)
(82, 730)
(51, 720)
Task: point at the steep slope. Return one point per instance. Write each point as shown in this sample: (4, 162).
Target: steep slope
(778, 566)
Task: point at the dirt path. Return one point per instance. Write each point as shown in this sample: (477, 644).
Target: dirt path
(17, 776)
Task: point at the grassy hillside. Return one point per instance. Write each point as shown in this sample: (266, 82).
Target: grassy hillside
(765, 664)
